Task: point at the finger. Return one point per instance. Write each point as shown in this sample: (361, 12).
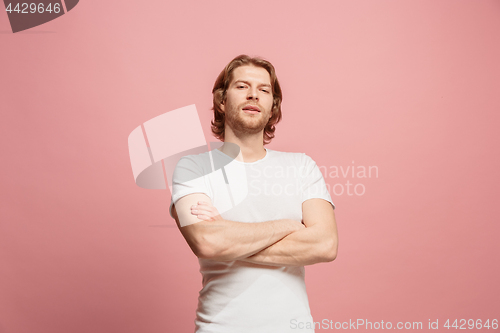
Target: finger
(204, 203)
(203, 206)
(199, 212)
(204, 217)
(204, 210)
(200, 205)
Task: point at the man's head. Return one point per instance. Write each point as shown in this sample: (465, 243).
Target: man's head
(243, 84)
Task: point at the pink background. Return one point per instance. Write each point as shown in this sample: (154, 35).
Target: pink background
(411, 87)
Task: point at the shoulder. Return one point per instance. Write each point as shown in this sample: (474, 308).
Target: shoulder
(196, 163)
(195, 157)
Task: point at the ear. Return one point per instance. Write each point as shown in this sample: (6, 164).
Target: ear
(222, 107)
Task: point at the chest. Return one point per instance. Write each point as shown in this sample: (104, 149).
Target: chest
(248, 193)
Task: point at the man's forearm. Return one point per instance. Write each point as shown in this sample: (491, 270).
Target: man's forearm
(228, 240)
(304, 247)
(212, 237)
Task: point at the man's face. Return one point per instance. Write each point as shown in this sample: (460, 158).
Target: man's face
(249, 100)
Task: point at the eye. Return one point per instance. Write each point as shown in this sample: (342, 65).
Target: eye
(265, 90)
(241, 86)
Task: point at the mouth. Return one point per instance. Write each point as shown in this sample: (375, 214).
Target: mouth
(253, 109)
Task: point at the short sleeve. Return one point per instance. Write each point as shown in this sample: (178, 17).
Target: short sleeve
(313, 183)
(189, 177)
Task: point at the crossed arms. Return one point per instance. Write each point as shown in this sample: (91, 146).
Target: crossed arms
(276, 243)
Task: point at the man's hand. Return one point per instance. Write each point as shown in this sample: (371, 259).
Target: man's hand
(204, 211)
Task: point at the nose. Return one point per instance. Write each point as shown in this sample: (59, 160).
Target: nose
(252, 94)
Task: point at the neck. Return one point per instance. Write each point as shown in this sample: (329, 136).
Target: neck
(251, 145)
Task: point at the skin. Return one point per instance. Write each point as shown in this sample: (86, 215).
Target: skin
(276, 243)
(250, 86)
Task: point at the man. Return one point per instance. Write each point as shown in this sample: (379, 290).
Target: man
(276, 214)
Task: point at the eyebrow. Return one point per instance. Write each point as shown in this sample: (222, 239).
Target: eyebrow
(246, 82)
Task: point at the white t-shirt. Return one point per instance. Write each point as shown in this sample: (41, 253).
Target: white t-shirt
(239, 297)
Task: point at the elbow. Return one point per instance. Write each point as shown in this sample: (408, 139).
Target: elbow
(330, 252)
(204, 249)
(212, 254)
(206, 244)
(331, 256)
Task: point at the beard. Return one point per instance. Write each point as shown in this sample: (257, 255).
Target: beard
(243, 123)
